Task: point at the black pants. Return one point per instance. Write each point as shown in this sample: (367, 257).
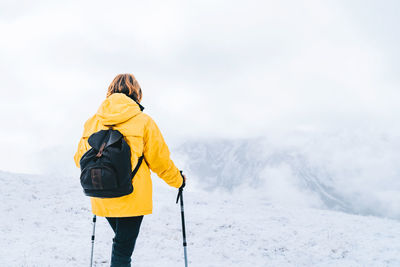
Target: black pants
(126, 230)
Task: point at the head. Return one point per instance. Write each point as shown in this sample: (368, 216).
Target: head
(126, 84)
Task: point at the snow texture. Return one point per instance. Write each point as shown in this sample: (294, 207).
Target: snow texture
(46, 221)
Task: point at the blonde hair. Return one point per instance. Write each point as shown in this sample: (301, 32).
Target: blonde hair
(126, 84)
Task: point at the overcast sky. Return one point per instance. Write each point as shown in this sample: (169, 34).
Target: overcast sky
(229, 69)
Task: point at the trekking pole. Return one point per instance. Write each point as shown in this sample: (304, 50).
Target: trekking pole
(180, 196)
(94, 229)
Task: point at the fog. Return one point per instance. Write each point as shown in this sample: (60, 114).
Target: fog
(355, 173)
(320, 77)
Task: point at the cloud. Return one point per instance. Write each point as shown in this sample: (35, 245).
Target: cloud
(209, 68)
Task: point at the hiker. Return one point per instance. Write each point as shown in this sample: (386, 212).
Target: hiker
(122, 111)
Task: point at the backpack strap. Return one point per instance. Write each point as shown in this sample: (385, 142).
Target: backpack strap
(140, 159)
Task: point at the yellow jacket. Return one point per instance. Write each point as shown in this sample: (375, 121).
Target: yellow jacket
(143, 136)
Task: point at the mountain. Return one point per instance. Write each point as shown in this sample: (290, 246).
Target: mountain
(336, 172)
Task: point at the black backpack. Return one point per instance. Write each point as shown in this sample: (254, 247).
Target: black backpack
(106, 169)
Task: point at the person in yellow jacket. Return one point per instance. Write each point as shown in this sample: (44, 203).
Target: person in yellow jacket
(122, 110)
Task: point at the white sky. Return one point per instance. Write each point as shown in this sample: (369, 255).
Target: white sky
(207, 69)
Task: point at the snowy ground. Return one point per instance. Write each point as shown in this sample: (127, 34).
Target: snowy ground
(46, 221)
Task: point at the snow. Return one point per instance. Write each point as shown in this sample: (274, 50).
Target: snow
(357, 173)
(46, 221)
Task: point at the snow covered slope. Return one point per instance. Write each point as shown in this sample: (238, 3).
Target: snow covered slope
(46, 221)
(357, 174)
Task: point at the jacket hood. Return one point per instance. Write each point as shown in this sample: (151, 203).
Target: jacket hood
(117, 108)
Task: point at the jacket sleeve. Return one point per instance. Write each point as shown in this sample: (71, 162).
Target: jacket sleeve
(83, 146)
(157, 155)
